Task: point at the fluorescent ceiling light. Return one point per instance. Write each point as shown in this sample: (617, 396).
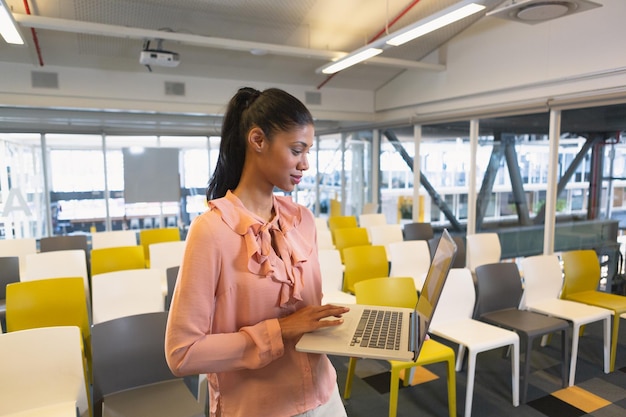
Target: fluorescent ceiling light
(8, 27)
(350, 59)
(422, 29)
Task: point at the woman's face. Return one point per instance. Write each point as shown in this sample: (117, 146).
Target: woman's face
(284, 157)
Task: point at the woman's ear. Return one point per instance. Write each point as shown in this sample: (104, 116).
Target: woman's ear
(256, 139)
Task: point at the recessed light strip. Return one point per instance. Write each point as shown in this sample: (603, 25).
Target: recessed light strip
(435, 24)
(350, 60)
(8, 27)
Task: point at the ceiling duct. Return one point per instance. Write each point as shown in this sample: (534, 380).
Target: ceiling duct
(537, 11)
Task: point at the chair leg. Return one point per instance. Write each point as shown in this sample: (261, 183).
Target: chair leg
(393, 391)
(515, 374)
(451, 387)
(614, 337)
(459, 358)
(526, 371)
(471, 374)
(564, 355)
(574, 353)
(349, 377)
(607, 345)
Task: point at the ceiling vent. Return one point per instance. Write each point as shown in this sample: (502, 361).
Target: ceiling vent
(537, 11)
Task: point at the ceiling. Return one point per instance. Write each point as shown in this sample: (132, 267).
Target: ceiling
(290, 38)
(268, 41)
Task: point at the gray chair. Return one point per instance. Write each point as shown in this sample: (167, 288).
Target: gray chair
(52, 243)
(172, 275)
(499, 292)
(130, 375)
(459, 259)
(418, 231)
(9, 273)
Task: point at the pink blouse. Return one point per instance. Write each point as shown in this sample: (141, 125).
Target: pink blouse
(232, 287)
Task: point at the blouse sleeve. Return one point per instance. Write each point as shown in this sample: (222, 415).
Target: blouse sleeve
(190, 346)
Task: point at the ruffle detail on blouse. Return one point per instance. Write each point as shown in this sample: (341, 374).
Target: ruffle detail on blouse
(258, 236)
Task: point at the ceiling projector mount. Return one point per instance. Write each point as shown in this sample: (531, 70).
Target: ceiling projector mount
(537, 11)
(157, 56)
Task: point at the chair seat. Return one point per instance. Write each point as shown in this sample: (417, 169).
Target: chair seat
(532, 324)
(431, 352)
(474, 334)
(167, 399)
(615, 302)
(66, 409)
(570, 310)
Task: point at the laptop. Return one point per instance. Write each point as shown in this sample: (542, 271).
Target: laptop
(351, 337)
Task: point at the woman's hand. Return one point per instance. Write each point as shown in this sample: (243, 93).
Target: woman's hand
(310, 318)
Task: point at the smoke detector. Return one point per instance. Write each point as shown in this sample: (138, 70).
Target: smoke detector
(537, 11)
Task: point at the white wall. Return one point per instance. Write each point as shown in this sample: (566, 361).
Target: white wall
(498, 63)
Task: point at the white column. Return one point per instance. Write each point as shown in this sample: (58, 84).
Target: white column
(375, 164)
(471, 186)
(417, 168)
(550, 221)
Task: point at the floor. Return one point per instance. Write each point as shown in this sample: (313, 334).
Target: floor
(594, 393)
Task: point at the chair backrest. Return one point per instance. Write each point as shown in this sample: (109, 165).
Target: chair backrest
(350, 236)
(334, 207)
(42, 367)
(369, 208)
(457, 299)
(372, 219)
(48, 302)
(331, 270)
(543, 278)
(148, 237)
(69, 242)
(171, 276)
(459, 259)
(363, 262)
(325, 239)
(321, 223)
(166, 254)
(19, 248)
(418, 231)
(498, 287)
(117, 258)
(124, 293)
(387, 291)
(128, 352)
(9, 273)
(581, 271)
(113, 238)
(482, 248)
(339, 222)
(385, 234)
(57, 264)
(410, 258)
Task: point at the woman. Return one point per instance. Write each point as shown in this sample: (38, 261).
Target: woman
(249, 284)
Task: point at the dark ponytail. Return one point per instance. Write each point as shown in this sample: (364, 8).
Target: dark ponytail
(272, 110)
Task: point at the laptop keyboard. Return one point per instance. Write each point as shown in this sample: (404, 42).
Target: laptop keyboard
(378, 329)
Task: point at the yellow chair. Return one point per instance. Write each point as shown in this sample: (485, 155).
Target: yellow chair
(335, 207)
(350, 236)
(150, 236)
(49, 302)
(401, 292)
(363, 262)
(117, 258)
(581, 270)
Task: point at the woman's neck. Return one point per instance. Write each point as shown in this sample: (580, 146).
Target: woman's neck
(259, 203)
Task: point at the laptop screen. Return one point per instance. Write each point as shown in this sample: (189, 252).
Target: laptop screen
(433, 285)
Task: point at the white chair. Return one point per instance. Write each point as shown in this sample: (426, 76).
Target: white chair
(321, 223)
(543, 280)
(19, 248)
(113, 239)
(384, 234)
(372, 219)
(481, 249)
(369, 208)
(453, 321)
(164, 255)
(331, 269)
(125, 293)
(57, 264)
(410, 258)
(325, 239)
(43, 373)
